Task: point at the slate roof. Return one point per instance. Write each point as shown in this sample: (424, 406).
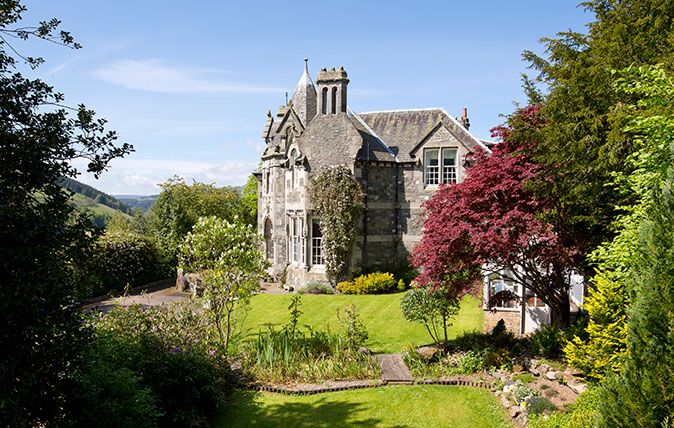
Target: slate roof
(373, 147)
(403, 130)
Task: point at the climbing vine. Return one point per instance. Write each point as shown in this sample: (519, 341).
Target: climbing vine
(338, 199)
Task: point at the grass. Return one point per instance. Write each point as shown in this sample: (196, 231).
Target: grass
(389, 332)
(390, 406)
(85, 203)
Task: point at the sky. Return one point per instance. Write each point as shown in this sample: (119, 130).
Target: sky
(188, 84)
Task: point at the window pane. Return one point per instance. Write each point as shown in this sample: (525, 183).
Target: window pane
(431, 170)
(449, 165)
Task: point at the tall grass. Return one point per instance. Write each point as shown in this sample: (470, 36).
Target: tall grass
(293, 354)
(279, 355)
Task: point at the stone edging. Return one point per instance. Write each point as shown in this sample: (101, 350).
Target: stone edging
(311, 390)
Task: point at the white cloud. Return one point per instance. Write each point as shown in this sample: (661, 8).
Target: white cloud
(142, 176)
(154, 75)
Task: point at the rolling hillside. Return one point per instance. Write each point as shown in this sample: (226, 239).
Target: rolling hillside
(99, 205)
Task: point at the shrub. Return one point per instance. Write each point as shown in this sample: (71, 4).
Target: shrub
(522, 392)
(372, 283)
(547, 341)
(539, 405)
(582, 413)
(471, 362)
(346, 287)
(290, 354)
(122, 259)
(524, 378)
(355, 332)
(316, 288)
(162, 369)
(433, 308)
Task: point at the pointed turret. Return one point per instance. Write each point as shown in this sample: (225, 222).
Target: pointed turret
(304, 98)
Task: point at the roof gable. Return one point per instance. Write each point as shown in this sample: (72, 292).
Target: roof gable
(404, 130)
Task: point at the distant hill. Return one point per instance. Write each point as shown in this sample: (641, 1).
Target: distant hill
(99, 205)
(140, 202)
(95, 194)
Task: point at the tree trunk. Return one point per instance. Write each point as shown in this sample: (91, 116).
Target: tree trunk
(561, 310)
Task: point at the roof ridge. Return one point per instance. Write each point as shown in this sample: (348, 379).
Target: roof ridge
(402, 110)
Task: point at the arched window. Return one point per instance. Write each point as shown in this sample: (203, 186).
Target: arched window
(334, 100)
(324, 101)
(268, 242)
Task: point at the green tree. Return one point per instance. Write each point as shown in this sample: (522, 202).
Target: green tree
(180, 205)
(228, 257)
(584, 142)
(434, 308)
(42, 238)
(651, 126)
(642, 395)
(249, 201)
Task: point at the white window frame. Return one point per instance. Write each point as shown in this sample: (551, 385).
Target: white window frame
(317, 251)
(443, 172)
(501, 281)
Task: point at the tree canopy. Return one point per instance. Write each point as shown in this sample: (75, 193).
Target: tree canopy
(42, 238)
(491, 221)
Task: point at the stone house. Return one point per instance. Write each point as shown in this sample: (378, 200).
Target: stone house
(399, 157)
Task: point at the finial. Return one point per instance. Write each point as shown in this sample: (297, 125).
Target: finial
(306, 65)
(286, 98)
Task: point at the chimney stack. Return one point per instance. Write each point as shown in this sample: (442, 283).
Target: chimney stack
(463, 120)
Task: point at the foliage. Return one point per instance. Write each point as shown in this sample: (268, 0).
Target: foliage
(126, 259)
(278, 355)
(177, 377)
(492, 221)
(524, 377)
(316, 288)
(249, 201)
(642, 395)
(471, 362)
(432, 308)
(355, 332)
(227, 256)
(547, 342)
(539, 405)
(651, 128)
(42, 238)
(581, 413)
(338, 200)
(180, 205)
(583, 144)
(522, 393)
(372, 283)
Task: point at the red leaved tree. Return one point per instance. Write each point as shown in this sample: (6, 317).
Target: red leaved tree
(492, 221)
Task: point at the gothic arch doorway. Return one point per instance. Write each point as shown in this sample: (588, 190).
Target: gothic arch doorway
(268, 241)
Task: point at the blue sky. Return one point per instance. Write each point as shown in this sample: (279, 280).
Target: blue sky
(189, 83)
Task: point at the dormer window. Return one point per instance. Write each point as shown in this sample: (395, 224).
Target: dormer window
(440, 166)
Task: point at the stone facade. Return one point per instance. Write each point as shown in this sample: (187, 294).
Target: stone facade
(398, 157)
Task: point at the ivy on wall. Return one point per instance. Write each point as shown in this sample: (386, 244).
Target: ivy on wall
(338, 199)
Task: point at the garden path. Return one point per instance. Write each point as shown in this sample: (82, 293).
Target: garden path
(394, 370)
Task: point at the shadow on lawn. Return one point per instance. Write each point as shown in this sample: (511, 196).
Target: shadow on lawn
(247, 410)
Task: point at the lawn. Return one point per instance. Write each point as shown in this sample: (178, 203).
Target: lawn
(389, 331)
(390, 406)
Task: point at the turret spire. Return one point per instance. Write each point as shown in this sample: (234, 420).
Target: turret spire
(304, 98)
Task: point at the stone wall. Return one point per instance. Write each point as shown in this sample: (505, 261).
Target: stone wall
(511, 318)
